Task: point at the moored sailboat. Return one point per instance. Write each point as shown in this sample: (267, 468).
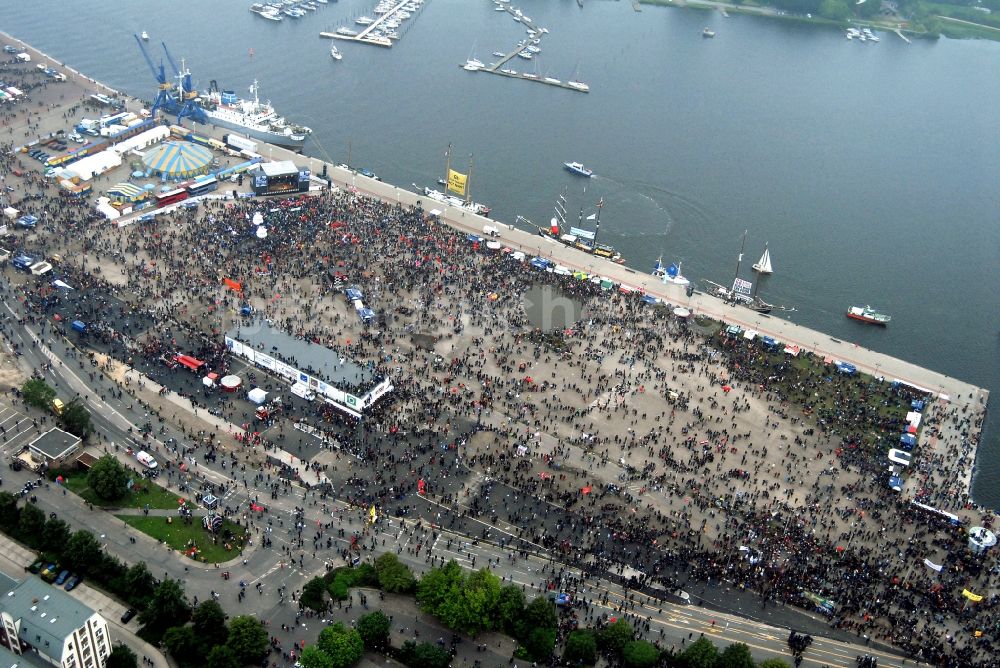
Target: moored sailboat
(455, 182)
(763, 265)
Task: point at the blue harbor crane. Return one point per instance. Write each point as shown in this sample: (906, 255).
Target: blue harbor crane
(190, 105)
(164, 94)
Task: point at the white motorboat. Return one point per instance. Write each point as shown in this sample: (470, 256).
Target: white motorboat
(335, 54)
(499, 54)
(578, 85)
(346, 32)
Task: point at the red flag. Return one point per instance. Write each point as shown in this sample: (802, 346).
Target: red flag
(234, 285)
(587, 490)
(421, 487)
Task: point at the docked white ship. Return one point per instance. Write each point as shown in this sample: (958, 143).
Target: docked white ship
(253, 117)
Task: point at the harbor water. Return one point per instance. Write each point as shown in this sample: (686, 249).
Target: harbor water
(869, 169)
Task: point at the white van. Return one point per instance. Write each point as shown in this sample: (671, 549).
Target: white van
(490, 230)
(302, 390)
(146, 459)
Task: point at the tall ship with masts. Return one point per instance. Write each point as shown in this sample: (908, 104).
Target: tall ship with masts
(578, 237)
(458, 183)
(744, 292)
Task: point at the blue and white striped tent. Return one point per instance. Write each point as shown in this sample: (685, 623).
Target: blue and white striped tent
(178, 159)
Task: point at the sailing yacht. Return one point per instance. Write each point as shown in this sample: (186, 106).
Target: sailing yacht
(763, 265)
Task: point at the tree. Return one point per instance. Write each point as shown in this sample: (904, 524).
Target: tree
(736, 655)
(700, 654)
(122, 656)
(313, 657)
(772, 663)
(31, 524)
(108, 478)
(539, 644)
(343, 645)
(424, 655)
(615, 636)
(469, 608)
(640, 654)
(222, 656)
(55, 535)
(139, 583)
(439, 584)
(510, 607)
(167, 607)
(393, 575)
(76, 419)
(83, 553)
(36, 393)
(183, 645)
(836, 10)
(540, 613)
(581, 648)
(209, 624)
(313, 595)
(374, 629)
(247, 638)
(10, 513)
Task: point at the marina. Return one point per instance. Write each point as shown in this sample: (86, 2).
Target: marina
(380, 31)
(526, 49)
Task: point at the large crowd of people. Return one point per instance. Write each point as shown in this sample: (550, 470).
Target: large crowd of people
(631, 437)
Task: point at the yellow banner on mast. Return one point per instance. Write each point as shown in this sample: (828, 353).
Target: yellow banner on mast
(457, 182)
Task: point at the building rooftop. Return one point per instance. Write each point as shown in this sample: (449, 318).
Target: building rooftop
(279, 168)
(339, 371)
(10, 660)
(47, 614)
(55, 443)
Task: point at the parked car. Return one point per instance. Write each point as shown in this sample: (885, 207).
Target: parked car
(36, 567)
(49, 572)
(62, 578)
(128, 615)
(72, 582)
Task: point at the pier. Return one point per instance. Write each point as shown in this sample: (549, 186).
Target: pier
(364, 36)
(532, 40)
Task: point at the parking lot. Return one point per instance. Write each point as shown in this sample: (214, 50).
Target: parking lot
(16, 431)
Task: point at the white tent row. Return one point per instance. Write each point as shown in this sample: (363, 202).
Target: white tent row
(87, 167)
(142, 140)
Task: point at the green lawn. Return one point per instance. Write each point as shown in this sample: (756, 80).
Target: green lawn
(182, 536)
(143, 493)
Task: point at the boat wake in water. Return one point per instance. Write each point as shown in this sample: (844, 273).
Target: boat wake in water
(666, 204)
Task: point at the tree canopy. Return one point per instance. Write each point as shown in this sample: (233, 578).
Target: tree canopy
(313, 657)
(343, 645)
(32, 523)
(76, 418)
(209, 623)
(314, 594)
(393, 575)
(737, 655)
(424, 655)
(247, 639)
(55, 535)
(82, 552)
(615, 636)
(581, 648)
(167, 607)
(122, 656)
(699, 654)
(183, 645)
(37, 393)
(222, 656)
(108, 478)
(640, 654)
(374, 629)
